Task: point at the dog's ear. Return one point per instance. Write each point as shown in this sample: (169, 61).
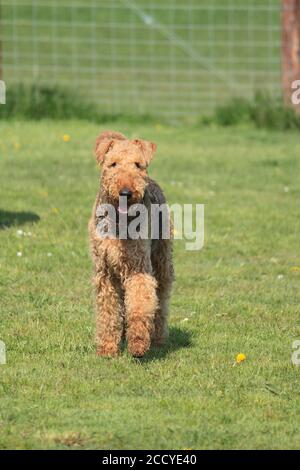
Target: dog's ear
(101, 148)
(148, 149)
(104, 142)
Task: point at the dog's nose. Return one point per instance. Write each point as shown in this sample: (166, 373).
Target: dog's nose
(126, 193)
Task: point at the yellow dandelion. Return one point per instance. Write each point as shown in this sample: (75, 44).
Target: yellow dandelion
(54, 210)
(240, 358)
(295, 269)
(17, 146)
(66, 138)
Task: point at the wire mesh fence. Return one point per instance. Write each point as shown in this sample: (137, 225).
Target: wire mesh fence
(177, 58)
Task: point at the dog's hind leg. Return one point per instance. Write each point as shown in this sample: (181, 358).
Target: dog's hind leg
(162, 264)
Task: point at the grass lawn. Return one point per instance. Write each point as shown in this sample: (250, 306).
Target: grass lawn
(240, 294)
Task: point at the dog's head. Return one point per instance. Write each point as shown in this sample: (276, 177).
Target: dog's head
(124, 165)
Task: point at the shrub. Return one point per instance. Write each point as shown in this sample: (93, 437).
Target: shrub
(263, 111)
(52, 102)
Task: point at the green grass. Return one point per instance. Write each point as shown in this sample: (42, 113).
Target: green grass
(238, 295)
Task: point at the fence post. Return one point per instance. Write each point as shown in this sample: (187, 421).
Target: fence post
(290, 48)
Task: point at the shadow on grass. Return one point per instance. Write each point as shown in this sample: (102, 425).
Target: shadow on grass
(178, 339)
(9, 219)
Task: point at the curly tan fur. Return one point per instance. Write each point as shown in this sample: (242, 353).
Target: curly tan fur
(132, 278)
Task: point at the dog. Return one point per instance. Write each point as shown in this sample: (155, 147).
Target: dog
(132, 277)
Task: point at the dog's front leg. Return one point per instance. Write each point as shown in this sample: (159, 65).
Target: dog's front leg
(140, 305)
(109, 321)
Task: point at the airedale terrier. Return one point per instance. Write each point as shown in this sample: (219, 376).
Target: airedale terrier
(132, 277)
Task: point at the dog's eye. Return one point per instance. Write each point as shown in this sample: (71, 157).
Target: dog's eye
(138, 165)
(113, 164)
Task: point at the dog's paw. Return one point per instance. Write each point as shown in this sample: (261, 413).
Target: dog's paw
(138, 346)
(107, 351)
(158, 342)
(160, 335)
